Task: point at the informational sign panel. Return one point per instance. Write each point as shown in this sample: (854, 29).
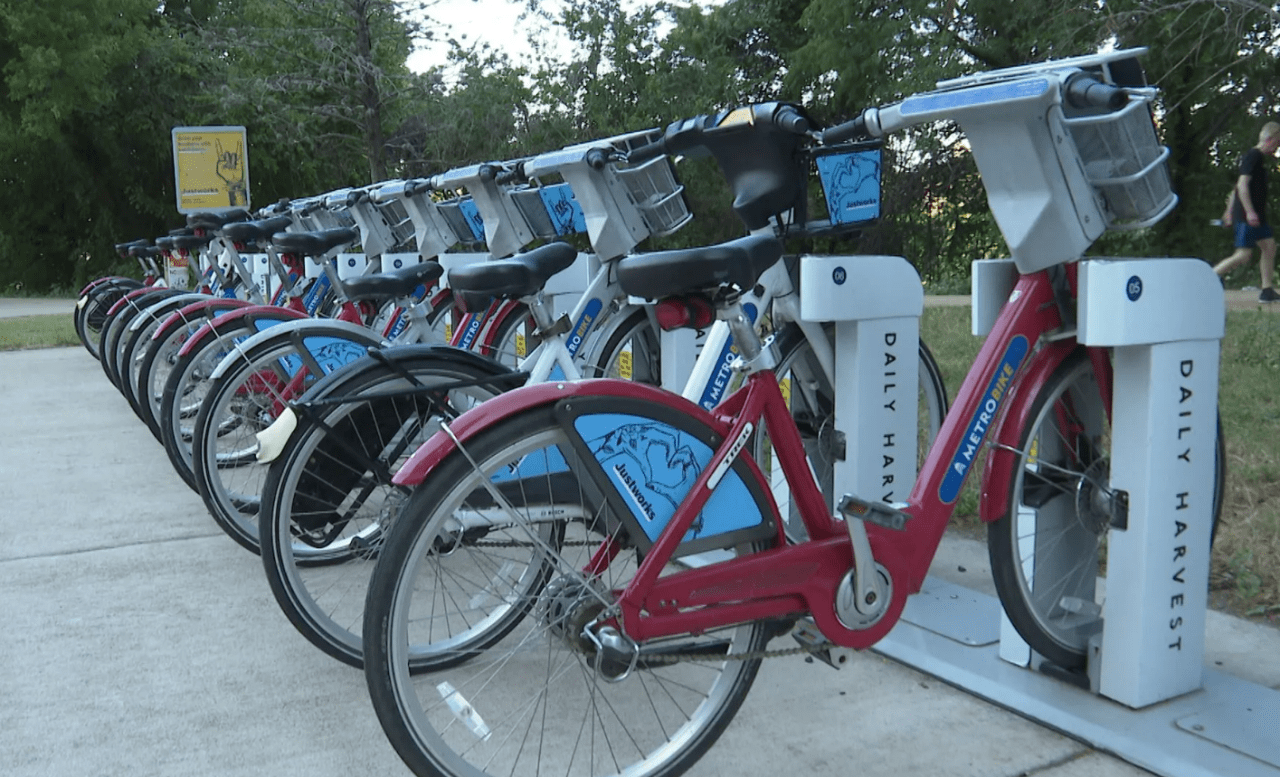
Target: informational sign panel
(210, 168)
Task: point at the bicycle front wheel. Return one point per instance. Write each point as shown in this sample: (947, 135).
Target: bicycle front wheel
(1048, 550)
(485, 564)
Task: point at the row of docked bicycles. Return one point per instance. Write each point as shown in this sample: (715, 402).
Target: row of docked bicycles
(556, 503)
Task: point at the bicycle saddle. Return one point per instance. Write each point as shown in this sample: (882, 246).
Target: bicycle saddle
(144, 251)
(190, 241)
(215, 219)
(313, 243)
(667, 273)
(519, 276)
(254, 231)
(123, 248)
(394, 283)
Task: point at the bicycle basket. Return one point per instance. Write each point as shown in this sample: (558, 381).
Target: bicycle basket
(653, 189)
(1125, 162)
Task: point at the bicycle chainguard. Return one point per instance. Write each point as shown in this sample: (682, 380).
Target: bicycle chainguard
(817, 646)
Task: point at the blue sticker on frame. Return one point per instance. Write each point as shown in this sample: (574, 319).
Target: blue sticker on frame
(653, 465)
(851, 182)
(564, 210)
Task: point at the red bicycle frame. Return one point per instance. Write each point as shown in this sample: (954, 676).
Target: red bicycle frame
(994, 402)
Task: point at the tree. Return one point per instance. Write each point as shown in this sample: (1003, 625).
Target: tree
(323, 75)
(85, 98)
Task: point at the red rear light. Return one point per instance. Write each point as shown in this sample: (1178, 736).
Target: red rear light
(684, 312)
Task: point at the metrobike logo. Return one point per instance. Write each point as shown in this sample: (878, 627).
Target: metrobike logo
(715, 389)
(962, 459)
(584, 325)
(470, 334)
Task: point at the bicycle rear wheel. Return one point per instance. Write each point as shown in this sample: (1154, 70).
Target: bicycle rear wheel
(519, 690)
(92, 308)
(245, 398)
(1048, 551)
(328, 497)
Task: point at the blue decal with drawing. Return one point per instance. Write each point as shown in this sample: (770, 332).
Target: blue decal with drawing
(851, 183)
(653, 466)
(564, 211)
(963, 458)
(333, 352)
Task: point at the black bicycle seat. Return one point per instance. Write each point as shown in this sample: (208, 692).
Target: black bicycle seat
(737, 263)
(518, 276)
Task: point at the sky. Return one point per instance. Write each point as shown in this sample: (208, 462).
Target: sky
(496, 22)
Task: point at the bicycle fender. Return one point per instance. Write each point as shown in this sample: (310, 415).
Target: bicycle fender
(998, 474)
(264, 312)
(183, 316)
(516, 401)
(397, 354)
(302, 328)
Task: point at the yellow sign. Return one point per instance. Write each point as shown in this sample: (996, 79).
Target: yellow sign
(210, 168)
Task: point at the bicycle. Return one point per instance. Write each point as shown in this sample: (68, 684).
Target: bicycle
(653, 573)
(327, 497)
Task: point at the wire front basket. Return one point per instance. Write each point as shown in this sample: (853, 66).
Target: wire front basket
(1125, 162)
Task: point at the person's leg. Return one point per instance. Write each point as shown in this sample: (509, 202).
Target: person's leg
(1267, 262)
(1239, 257)
(1245, 240)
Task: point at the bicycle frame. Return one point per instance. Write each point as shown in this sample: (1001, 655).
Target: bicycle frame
(1021, 353)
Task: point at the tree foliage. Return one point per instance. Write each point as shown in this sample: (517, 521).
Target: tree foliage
(90, 88)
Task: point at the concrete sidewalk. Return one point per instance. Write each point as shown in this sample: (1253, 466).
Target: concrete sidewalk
(139, 640)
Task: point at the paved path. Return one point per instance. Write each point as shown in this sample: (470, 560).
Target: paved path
(138, 640)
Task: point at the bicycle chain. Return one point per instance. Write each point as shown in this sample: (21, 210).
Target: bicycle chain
(674, 658)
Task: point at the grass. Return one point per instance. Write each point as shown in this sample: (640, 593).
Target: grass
(1245, 574)
(37, 332)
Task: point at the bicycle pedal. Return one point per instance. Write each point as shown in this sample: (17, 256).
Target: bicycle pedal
(818, 646)
(878, 513)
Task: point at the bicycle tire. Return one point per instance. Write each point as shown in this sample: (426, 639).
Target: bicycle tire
(136, 341)
(162, 352)
(185, 389)
(513, 337)
(117, 324)
(532, 674)
(328, 496)
(244, 398)
(632, 351)
(1044, 531)
(91, 310)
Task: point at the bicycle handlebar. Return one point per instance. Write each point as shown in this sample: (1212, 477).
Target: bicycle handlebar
(850, 130)
(1084, 91)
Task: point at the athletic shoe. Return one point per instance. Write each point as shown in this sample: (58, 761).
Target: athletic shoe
(1268, 295)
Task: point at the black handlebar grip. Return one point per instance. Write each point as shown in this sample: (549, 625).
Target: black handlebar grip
(791, 120)
(416, 187)
(597, 158)
(645, 153)
(1086, 92)
(856, 128)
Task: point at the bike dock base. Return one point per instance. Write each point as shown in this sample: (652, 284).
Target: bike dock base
(1227, 728)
